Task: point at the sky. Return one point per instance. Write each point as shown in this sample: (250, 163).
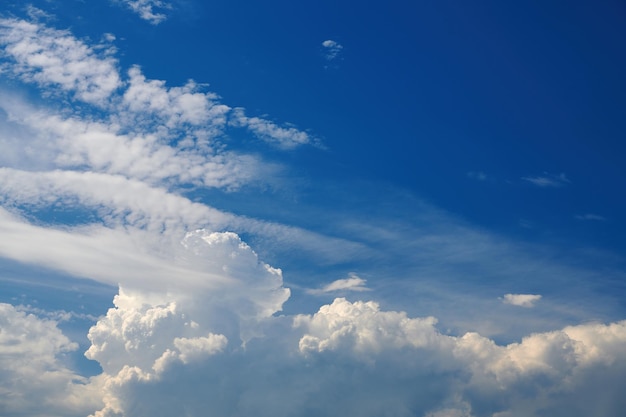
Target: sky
(235, 208)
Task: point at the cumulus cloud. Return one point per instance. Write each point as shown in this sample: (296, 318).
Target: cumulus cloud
(521, 300)
(52, 57)
(352, 357)
(548, 180)
(152, 11)
(32, 352)
(332, 49)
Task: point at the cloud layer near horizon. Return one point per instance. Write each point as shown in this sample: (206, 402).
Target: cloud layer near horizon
(195, 329)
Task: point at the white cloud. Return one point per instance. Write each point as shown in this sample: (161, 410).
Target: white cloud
(350, 357)
(32, 354)
(51, 57)
(353, 283)
(521, 300)
(282, 137)
(548, 180)
(362, 327)
(150, 10)
(332, 49)
(187, 105)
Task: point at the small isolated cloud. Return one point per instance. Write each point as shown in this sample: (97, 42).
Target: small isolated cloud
(589, 216)
(331, 49)
(352, 283)
(548, 180)
(477, 175)
(521, 300)
(150, 10)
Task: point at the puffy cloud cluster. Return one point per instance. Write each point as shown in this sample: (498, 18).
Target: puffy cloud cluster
(34, 380)
(332, 49)
(48, 56)
(149, 10)
(351, 358)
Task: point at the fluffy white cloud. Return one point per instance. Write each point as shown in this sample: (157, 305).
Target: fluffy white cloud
(52, 57)
(152, 103)
(34, 380)
(72, 143)
(332, 49)
(149, 10)
(362, 327)
(349, 358)
(521, 300)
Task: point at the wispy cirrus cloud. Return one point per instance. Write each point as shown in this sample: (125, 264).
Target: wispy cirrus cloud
(351, 284)
(590, 216)
(548, 180)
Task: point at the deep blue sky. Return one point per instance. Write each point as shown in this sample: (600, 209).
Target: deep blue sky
(507, 116)
(422, 94)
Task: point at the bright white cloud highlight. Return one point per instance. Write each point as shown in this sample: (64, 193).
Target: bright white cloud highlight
(522, 300)
(332, 49)
(51, 57)
(152, 11)
(32, 352)
(283, 137)
(353, 283)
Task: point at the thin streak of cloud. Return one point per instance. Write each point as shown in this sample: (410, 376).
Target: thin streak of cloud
(591, 217)
(287, 137)
(548, 180)
(351, 284)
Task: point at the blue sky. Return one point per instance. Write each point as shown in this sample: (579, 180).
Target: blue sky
(236, 208)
